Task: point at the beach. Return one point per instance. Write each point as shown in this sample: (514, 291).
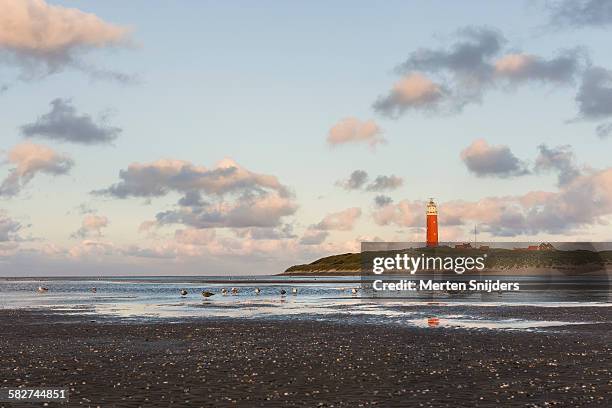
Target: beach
(216, 362)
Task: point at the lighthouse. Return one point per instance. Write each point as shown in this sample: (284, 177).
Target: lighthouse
(432, 224)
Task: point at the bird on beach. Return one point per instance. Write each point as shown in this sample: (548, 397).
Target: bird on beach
(94, 290)
(184, 292)
(207, 294)
(224, 292)
(354, 291)
(283, 292)
(294, 291)
(42, 289)
(234, 291)
(257, 290)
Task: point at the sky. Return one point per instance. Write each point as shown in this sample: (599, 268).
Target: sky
(232, 138)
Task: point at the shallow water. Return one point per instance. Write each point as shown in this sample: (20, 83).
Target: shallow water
(318, 298)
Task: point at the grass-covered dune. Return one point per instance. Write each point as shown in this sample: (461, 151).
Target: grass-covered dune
(498, 260)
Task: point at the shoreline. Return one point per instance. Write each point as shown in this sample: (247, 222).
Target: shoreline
(535, 272)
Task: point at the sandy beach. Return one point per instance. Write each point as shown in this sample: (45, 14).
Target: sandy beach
(247, 362)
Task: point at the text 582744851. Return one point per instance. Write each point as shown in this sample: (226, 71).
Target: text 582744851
(33, 394)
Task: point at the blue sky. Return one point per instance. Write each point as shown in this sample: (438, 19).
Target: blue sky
(263, 84)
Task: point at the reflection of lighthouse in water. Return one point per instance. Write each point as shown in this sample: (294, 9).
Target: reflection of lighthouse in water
(432, 224)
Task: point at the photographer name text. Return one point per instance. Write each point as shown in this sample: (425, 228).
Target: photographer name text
(486, 285)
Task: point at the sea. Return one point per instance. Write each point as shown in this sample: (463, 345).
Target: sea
(322, 298)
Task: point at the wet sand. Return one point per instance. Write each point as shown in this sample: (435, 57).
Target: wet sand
(304, 363)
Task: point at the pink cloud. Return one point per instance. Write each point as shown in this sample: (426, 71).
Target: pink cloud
(28, 160)
(35, 32)
(341, 221)
(413, 91)
(92, 225)
(353, 130)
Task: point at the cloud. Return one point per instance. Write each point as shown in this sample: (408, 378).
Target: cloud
(269, 233)
(404, 214)
(147, 226)
(84, 208)
(580, 13)
(560, 159)
(313, 237)
(356, 180)
(158, 178)
(64, 124)
(192, 199)
(525, 67)
(467, 57)
(382, 200)
(91, 225)
(260, 210)
(584, 201)
(152, 253)
(28, 160)
(414, 91)
(9, 228)
(43, 38)
(93, 248)
(445, 80)
(239, 198)
(194, 236)
(382, 183)
(594, 96)
(486, 160)
(353, 130)
(341, 221)
(604, 130)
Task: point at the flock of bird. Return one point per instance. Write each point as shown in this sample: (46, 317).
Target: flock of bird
(224, 291)
(234, 291)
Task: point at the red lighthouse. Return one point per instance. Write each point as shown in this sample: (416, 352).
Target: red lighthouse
(432, 224)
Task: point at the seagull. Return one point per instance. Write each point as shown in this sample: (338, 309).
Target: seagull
(184, 292)
(234, 291)
(224, 291)
(354, 291)
(94, 290)
(207, 294)
(294, 291)
(257, 290)
(42, 289)
(283, 292)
